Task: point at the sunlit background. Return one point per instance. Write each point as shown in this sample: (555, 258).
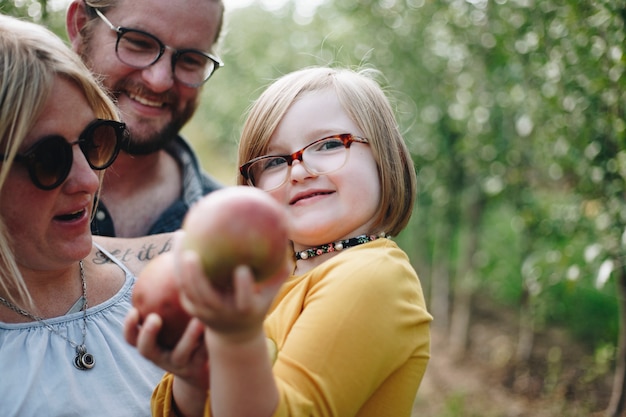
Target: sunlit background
(514, 112)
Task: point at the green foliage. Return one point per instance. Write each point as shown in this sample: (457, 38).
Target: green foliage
(591, 310)
(514, 111)
(48, 13)
(498, 259)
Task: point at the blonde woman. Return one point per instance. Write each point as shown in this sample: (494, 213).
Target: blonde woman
(63, 297)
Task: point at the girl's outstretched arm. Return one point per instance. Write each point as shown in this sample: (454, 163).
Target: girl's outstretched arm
(241, 378)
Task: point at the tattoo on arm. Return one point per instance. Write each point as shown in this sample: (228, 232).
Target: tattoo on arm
(145, 253)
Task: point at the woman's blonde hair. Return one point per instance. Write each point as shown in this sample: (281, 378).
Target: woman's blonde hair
(31, 57)
(366, 103)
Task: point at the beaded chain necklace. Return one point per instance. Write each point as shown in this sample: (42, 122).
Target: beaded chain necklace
(83, 359)
(337, 246)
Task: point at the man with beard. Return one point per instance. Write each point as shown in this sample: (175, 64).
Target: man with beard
(153, 56)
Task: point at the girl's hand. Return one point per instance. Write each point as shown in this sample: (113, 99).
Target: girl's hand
(188, 360)
(237, 315)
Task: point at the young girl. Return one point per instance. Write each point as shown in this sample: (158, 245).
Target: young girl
(347, 333)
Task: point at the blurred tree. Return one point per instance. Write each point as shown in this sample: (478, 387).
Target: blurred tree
(48, 13)
(514, 111)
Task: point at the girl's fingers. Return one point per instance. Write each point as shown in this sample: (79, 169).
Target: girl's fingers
(131, 326)
(198, 296)
(191, 340)
(243, 283)
(147, 339)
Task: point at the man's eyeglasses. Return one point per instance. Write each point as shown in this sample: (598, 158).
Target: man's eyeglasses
(140, 49)
(322, 157)
(49, 160)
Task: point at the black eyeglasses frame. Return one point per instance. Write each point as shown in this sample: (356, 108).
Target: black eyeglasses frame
(176, 53)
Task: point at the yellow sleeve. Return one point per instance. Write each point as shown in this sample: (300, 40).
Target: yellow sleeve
(161, 401)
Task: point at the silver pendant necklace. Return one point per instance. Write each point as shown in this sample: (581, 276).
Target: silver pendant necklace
(83, 359)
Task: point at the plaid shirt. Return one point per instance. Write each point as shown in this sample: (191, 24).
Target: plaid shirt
(196, 183)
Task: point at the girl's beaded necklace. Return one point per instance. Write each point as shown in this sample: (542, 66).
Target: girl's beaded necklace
(337, 246)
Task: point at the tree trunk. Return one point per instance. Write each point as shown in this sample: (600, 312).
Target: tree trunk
(440, 304)
(526, 335)
(617, 404)
(440, 278)
(465, 284)
(460, 322)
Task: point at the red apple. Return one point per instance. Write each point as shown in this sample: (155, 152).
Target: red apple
(156, 291)
(234, 226)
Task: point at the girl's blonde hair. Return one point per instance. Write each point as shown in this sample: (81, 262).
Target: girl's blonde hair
(31, 57)
(368, 106)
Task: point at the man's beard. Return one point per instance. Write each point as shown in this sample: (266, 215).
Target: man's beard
(153, 143)
(148, 142)
(156, 140)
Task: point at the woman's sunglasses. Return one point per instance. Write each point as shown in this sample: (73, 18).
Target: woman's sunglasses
(49, 161)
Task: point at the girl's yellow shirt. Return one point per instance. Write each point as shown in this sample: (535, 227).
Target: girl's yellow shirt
(352, 337)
